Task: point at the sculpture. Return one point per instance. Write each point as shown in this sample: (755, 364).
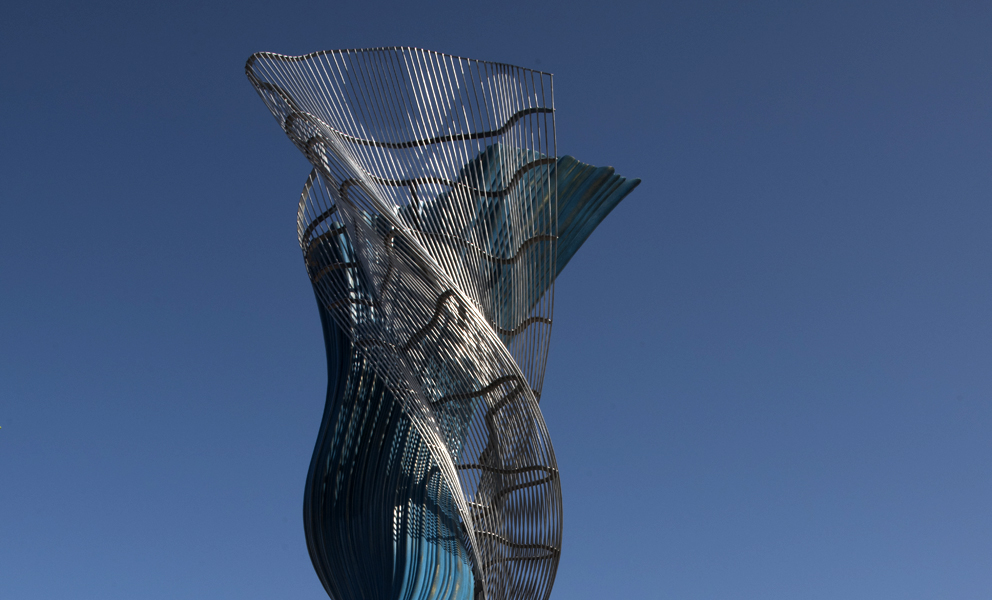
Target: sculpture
(433, 225)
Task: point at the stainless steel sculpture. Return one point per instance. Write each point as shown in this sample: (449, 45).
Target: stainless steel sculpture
(433, 225)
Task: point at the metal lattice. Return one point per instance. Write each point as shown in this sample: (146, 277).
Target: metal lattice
(429, 228)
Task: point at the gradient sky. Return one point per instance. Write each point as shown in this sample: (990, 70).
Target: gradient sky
(771, 368)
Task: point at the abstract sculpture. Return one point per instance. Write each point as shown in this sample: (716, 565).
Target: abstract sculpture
(433, 225)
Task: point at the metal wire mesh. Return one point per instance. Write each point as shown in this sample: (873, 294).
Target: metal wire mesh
(429, 229)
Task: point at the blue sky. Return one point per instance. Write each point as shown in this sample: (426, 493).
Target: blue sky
(770, 369)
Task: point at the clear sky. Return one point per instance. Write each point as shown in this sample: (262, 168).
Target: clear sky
(771, 368)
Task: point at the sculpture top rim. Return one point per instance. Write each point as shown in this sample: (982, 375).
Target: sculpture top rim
(301, 57)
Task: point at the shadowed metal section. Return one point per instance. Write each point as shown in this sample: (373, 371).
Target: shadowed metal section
(432, 231)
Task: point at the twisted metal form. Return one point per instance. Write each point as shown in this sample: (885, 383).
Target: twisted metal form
(433, 225)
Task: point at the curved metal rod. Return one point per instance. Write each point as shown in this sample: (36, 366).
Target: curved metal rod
(509, 490)
(318, 220)
(332, 267)
(469, 395)
(551, 554)
(458, 184)
(507, 471)
(455, 137)
(523, 325)
(507, 542)
(416, 181)
(311, 244)
(490, 257)
(416, 337)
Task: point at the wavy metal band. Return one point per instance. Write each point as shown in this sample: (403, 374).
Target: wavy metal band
(288, 123)
(441, 139)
